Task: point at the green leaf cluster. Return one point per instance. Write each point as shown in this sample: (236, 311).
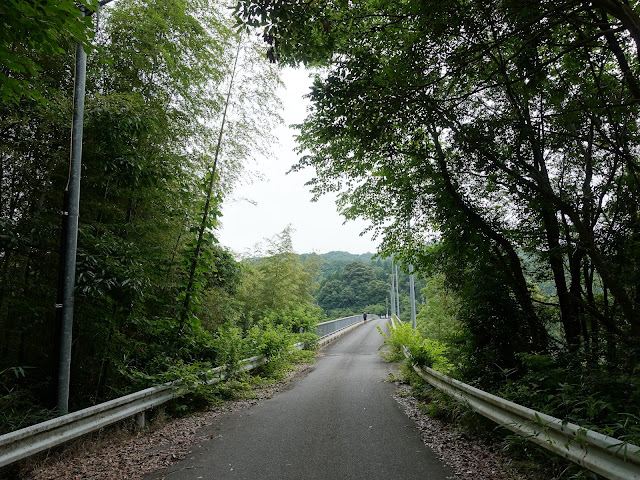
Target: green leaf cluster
(31, 32)
(422, 351)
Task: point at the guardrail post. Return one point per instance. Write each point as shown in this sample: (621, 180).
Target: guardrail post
(140, 420)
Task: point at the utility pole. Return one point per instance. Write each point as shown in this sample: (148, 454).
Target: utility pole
(412, 293)
(69, 247)
(69, 243)
(397, 292)
(393, 299)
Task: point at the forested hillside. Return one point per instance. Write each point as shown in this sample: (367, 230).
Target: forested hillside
(350, 284)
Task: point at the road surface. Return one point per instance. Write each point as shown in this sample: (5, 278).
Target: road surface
(339, 421)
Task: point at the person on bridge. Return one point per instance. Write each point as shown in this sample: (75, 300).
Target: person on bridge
(364, 316)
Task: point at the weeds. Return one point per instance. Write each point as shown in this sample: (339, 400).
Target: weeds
(580, 399)
(422, 351)
(18, 407)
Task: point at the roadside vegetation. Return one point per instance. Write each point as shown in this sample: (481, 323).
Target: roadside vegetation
(552, 387)
(178, 103)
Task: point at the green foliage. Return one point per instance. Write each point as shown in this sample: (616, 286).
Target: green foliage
(399, 337)
(438, 319)
(354, 284)
(354, 288)
(152, 115)
(230, 347)
(269, 340)
(19, 407)
(302, 356)
(524, 457)
(31, 32)
(239, 386)
(468, 134)
(310, 340)
(590, 395)
(278, 287)
(422, 351)
(560, 385)
(441, 406)
(298, 319)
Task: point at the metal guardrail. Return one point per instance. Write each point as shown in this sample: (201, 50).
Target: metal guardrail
(327, 328)
(28, 441)
(604, 455)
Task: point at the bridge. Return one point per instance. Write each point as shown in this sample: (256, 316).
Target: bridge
(339, 421)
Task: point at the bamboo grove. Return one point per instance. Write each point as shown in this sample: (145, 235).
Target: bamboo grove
(178, 102)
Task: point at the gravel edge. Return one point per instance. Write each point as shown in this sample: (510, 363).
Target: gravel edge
(470, 459)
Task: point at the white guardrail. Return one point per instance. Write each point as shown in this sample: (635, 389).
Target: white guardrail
(604, 455)
(28, 441)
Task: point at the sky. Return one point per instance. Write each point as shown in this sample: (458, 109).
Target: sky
(282, 199)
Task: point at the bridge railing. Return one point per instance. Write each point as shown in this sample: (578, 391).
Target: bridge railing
(607, 456)
(327, 328)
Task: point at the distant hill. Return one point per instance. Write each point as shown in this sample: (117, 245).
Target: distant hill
(334, 262)
(347, 257)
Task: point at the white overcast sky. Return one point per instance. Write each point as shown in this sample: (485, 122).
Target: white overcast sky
(282, 199)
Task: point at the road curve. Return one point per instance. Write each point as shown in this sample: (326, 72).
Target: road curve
(339, 421)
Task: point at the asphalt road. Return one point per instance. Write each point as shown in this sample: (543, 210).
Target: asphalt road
(339, 421)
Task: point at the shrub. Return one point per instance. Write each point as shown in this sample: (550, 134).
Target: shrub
(310, 340)
(422, 351)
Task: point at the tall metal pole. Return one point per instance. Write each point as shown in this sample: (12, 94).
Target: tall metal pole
(69, 242)
(393, 298)
(412, 293)
(70, 235)
(397, 292)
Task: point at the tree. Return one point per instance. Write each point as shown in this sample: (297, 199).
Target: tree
(277, 282)
(438, 319)
(152, 116)
(355, 288)
(510, 123)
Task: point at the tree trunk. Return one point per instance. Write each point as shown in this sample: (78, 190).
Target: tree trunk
(568, 316)
(513, 266)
